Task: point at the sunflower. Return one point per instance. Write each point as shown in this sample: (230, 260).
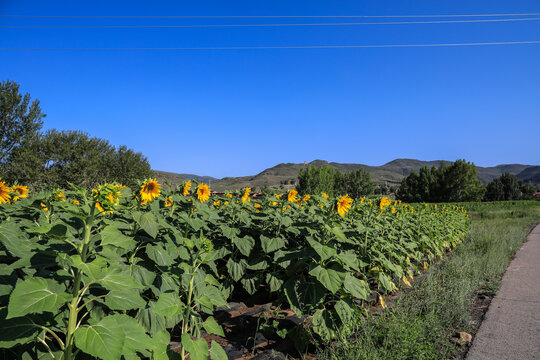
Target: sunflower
(187, 187)
(101, 210)
(150, 190)
(60, 196)
(344, 205)
(245, 197)
(384, 202)
(325, 196)
(21, 190)
(4, 192)
(228, 195)
(44, 207)
(291, 196)
(306, 198)
(278, 196)
(203, 192)
(168, 201)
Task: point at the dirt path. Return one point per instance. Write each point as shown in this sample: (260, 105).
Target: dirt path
(511, 328)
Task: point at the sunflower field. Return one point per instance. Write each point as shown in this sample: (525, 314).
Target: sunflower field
(113, 273)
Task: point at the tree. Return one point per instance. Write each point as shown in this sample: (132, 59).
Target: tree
(20, 119)
(58, 158)
(506, 187)
(356, 183)
(326, 179)
(454, 183)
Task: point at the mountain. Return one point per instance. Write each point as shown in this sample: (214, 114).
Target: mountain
(177, 179)
(393, 172)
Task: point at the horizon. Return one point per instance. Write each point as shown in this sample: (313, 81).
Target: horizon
(237, 112)
(338, 162)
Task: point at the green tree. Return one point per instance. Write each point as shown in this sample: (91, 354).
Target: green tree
(527, 190)
(356, 183)
(457, 182)
(506, 187)
(20, 120)
(317, 179)
(61, 157)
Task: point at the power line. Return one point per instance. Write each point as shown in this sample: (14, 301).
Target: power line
(260, 25)
(270, 47)
(257, 16)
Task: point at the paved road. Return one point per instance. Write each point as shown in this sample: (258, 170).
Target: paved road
(511, 328)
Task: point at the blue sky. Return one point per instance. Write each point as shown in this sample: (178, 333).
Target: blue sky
(237, 112)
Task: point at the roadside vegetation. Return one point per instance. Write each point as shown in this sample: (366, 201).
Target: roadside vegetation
(422, 322)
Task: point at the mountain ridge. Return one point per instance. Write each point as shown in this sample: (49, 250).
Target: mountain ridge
(391, 173)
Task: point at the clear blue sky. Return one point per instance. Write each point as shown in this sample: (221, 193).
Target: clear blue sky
(237, 112)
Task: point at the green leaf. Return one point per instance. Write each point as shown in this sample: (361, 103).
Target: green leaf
(332, 277)
(161, 347)
(245, 244)
(19, 330)
(217, 352)
(274, 282)
(236, 268)
(168, 304)
(198, 349)
(325, 252)
(350, 259)
(249, 283)
(36, 295)
(148, 223)
(113, 236)
(324, 324)
(15, 241)
(215, 295)
(340, 236)
(271, 244)
(136, 339)
(384, 281)
(125, 299)
(345, 311)
(159, 255)
(212, 327)
(116, 279)
(356, 287)
(302, 296)
(104, 340)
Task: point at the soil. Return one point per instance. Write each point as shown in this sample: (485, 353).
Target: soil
(478, 311)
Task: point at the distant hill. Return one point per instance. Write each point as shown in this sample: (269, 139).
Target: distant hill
(286, 174)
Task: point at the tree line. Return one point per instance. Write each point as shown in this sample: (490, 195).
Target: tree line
(56, 158)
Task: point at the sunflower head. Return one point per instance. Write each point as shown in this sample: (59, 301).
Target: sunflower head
(22, 192)
(187, 187)
(344, 205)
(203, 192)
(291, 196)
(384, 202)
(245, 197)
(150, 190)
(168, 201)
(4, 192)
(325, 196)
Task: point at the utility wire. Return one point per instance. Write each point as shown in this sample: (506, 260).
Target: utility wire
(260, 25)
(257, 16)
(269, 47)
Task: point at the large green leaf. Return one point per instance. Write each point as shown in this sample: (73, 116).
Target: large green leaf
(161, 347)
(198, 349)
(117, 279)
(212, 327)
(19, 330)
(159, 255)
(104, 340)
(356, 287)
(236, 268)
(15, 241)
(324, 324)
(136, 338)
(125, 299)
(271, 244)
(215, 295)
(169, 304)
(345, 311)
(245, 244)
(217, 352)
(332, 277)
(148, 223)
(350, 259)
(303, 296)
(274, 282)
(325, 252)
(36, 295)
(111, 235)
